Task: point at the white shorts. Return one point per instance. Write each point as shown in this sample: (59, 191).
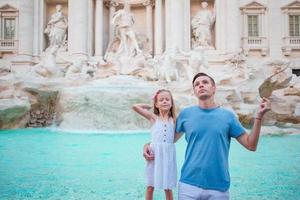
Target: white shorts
(190, 192)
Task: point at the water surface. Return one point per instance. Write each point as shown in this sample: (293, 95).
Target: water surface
(49, 164)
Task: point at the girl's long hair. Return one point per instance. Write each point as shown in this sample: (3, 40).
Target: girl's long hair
(172, 109)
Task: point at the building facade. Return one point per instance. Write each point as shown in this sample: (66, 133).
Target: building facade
(261, 29)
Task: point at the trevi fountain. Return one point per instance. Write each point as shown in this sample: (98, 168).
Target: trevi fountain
(72, 87)
(70, 71)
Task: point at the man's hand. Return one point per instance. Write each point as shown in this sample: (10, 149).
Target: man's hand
(264, 107)
(147, 153)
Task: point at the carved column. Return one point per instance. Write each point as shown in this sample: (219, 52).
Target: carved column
(263, 24)
(174, 23)
(187, 26)
(286, 24)
(112, 10)
(233, 37)
(220, 25)
(36, 29)
(26, 22)
(91, 32)
(99, 29)
(149, 22)
(42, 42)
(158, 44)
(78, 27)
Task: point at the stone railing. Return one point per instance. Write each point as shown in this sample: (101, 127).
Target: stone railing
(255, 43)
(289, 44)
(292, 41)
(8, 45)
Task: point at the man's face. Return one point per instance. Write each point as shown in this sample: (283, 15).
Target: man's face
(204, 88)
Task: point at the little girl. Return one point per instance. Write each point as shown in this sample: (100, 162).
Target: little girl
(161, 173)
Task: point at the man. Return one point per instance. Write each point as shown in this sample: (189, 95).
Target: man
(208, 129)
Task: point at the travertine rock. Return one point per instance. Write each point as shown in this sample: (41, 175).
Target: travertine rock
(14, 113)
(280, 78)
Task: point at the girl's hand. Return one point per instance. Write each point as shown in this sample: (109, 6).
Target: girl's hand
(147, 153)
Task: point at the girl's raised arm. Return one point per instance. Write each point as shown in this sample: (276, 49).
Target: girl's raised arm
(144, 110)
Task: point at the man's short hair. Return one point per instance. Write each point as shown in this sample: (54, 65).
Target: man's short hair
(203, 74)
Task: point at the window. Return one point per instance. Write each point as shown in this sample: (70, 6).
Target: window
(294, 25)
(252, 25)
(9, 29)
(291, 31)
(254, 28)
(9, 18)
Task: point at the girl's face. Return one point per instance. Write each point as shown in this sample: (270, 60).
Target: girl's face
(163, 101)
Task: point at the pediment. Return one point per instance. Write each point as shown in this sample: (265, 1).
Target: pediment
(253, 5)
(8, 7)
(293, 5)
(133, 3)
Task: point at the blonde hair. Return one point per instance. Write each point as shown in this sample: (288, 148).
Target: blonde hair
(172, 109)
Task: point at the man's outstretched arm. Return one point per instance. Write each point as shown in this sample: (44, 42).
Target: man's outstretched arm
(250, 141)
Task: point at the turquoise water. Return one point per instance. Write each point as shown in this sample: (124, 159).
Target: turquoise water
(45, 164)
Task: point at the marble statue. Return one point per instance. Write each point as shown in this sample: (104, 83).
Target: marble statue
(125, 42)
(171, 67)
(5, 67)
(196, 62)
(83, 68)
(168, 70)
(202, 25)
(47, 67)
(280, 78)
(57, 27)
(56, 31)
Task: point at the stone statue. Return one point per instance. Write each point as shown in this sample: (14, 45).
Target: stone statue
(280, 78)
(125, 42)
(202, 25)
(5, 67)
(47, 67)
(168, 70)
(57, 27)
(196, 61)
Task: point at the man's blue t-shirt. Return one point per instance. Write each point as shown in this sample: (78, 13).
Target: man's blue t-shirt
(208, 133)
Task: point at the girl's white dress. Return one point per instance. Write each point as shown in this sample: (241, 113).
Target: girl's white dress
(162, 171)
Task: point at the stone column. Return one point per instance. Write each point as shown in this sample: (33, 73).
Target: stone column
(42, 24)
(174, 23)
(285, 24)
(187, 26)
(158, 44)
(90, 38)
(245, 30)
(260, 24)
(149, 22)
(263, 24)
(36, 29)
(112, 10)
(26, 23)
(233, 19)
(78, 27)
(99, 29)
(220, 6)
